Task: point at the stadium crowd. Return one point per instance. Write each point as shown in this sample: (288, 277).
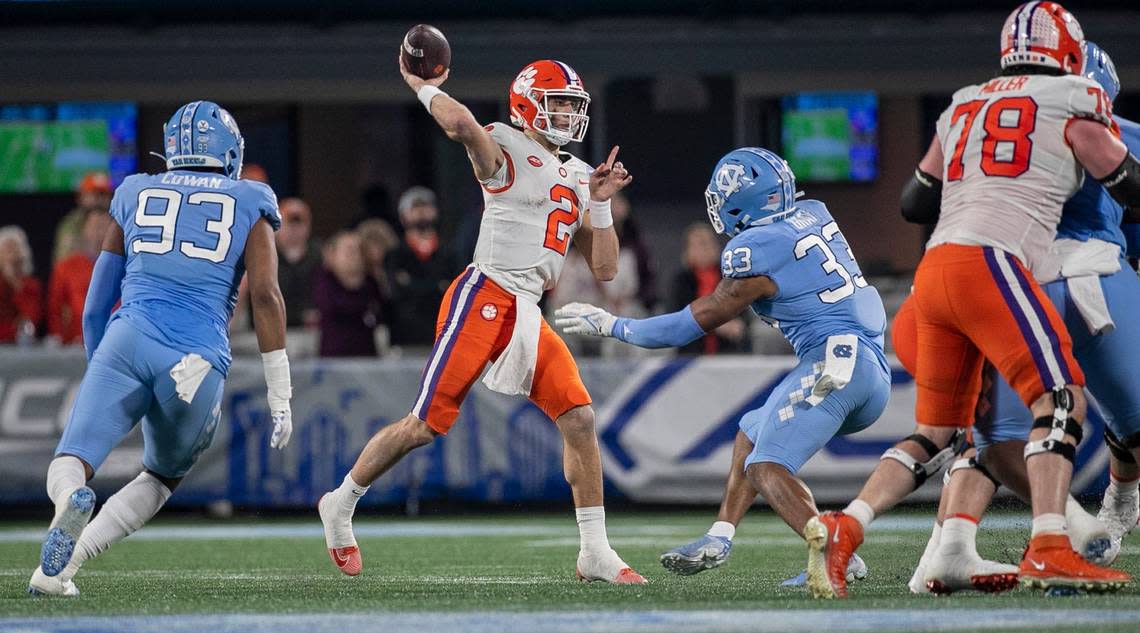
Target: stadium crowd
(369, 289)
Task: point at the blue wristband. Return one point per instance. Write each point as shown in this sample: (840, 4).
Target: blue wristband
(668, 330)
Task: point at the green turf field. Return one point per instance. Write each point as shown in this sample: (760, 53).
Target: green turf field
(512, 563)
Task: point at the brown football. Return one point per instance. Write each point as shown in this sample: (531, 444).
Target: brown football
(425, 51)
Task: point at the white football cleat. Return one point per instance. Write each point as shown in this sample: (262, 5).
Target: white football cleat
(44, 585)
(339, 539)
(1119, 515)
(1090, 537)
(607, 567)
(917, 582)
(950, 572)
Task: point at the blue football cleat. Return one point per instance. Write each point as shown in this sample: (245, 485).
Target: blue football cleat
(692, 558)
(60, 541)
(856, 570)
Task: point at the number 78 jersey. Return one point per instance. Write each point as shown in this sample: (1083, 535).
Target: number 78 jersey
(184, 236)
(1007, 165)
(820, 289)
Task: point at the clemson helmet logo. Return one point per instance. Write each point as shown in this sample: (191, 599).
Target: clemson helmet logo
(524, 81)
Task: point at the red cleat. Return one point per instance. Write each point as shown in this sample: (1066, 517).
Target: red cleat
(347, 559)
(1050, 561)
(832, 538)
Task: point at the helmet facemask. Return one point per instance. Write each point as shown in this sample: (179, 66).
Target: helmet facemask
(546, 121)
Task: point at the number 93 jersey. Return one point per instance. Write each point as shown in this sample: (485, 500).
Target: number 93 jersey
(184, 235)
(532, 208)
(1007, 165)
(820, 289)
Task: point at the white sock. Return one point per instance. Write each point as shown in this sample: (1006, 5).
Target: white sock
(1118, 488)
(933, 543)
(861, 511)
(64, 475)
(959, 534)
(349, 493)
(592, 528)
(1049, 524)
(124, 513)
(723, 529)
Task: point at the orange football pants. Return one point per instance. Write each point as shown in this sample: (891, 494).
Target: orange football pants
(972, 304)
(476, 319)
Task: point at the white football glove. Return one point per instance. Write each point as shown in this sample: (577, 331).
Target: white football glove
(282, 428)
(277, 379)
(583, 318)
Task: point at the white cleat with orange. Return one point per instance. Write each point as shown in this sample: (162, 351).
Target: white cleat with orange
(339, 538)
(608, 567)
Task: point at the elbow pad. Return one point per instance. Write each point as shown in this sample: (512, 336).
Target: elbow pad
(1123, 184)
(921, 199)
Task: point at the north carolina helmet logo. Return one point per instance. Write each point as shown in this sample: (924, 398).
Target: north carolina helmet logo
(524, 81)
(728, 179)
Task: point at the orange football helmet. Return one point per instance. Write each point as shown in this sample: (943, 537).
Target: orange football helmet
(1043, 34)
(531, 91)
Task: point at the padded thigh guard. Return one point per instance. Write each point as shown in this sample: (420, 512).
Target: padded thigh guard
(936, 457)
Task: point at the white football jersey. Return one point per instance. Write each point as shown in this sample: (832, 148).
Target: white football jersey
(532, 207)
(1007, 167)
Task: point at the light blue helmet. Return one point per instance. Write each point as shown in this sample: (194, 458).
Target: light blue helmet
(203, 134)
(1099, 68)
(750, 186)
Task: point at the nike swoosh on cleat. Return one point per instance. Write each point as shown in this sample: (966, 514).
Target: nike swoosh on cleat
(1036, 565)
(341, 560)
(835, 539)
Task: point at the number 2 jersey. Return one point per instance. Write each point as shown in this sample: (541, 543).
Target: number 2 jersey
(1007, 165)
(532, 207)
(821, 291)
(184, 236)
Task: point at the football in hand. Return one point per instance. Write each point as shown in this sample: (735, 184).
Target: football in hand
(425, 52)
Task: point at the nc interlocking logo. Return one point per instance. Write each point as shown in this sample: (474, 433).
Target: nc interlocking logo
(841, 351)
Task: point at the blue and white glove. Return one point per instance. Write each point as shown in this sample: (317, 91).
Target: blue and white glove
(583, 318)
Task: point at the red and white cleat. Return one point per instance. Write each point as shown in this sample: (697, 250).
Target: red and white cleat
(339, 538)
(948, 572)
(832, 538)
(607, 567)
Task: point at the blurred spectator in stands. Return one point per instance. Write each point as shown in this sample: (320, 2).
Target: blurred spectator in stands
(21, 295)
(376, 204)
(253, 171)
(348, 299)
(630, 238)
(420, 271)
(94, 192)
(69, 280)
(298, 256)
(698, 277)
(377, 238)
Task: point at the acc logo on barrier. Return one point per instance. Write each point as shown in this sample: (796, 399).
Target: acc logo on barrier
(667, 432)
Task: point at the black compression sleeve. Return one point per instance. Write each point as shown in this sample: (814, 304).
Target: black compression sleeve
(1123, 184)
(921, 199)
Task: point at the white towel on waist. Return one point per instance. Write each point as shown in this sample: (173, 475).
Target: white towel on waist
(513, 372)
(1081, 265)
(188, 375)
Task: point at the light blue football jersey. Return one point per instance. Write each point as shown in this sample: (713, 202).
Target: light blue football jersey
(1092, 214)
(184, 235)
(821, 289)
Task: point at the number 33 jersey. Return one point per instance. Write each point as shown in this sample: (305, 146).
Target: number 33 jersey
(532, 207)
(820, 289)
(184, 236)
(1008, 167)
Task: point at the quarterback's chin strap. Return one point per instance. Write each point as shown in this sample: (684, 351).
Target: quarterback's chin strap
(936, 457)
(1059, 425)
